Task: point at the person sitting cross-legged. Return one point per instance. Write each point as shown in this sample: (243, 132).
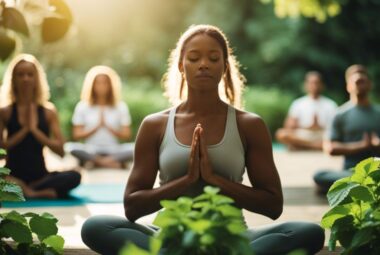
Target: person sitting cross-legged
(101, 119)
(308, 117)
(205, 139)
(355, 130)
(28, 123)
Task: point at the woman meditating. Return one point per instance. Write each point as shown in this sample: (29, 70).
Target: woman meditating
(28, 122)
(205, 139)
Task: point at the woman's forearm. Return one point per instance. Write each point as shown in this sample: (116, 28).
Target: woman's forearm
(80, 133)
(15, 139)
(144, 202)
(56, 145)
(124, 133)
(253, 199)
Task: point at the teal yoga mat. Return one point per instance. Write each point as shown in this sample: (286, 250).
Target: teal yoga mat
(85, 193)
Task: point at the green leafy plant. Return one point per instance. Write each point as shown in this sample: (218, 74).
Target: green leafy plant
(9, 191)
(21, 228)
(354, 218)
(54, 17)
(207, 224)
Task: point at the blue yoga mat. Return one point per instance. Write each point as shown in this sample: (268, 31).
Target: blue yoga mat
(83, 194)
(278, 147)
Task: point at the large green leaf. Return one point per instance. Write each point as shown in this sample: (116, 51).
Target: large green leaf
(367, 165)
(164, 219)
(362, 237)
(15, 216)
(375, 175)
(344, 230)
(13, 19)
(339, 182)
(168, 204)
(220, 199)
(200, 226)
(11, 192)
(56, 242)
(7, 45)
(335, 213)
(236, 227)
(17, 231)
(4, 171)
(340, 192)
(362, 193)
(211, 190)
(2, 152)
(43, 226)
(229, 211)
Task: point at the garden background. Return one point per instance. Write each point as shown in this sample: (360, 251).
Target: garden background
(135, 38)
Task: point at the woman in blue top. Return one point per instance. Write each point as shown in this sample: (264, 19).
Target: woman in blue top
(204, 139)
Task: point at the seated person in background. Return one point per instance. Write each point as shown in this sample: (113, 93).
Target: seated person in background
(308, 116)
(204, 82)
(101, 119)
(355, 129)
(28, 122)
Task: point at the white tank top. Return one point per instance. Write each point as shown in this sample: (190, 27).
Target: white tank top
(227, 156)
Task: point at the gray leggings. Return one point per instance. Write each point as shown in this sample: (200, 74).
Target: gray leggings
(84, 152)
(108, 234)
(325, 178)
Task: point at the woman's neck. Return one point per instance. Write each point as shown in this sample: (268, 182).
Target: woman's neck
(101, 101)
(203, 103)
(24, 100)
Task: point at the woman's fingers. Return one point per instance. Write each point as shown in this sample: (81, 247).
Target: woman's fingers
(195, 154)
(203, 147)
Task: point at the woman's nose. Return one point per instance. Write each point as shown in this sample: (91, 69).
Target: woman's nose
(203, 64)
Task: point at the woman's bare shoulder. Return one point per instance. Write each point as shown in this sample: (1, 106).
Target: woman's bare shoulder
(248, 118)
(251, 125)
(50, 110)
(155, 123)
(5, 112)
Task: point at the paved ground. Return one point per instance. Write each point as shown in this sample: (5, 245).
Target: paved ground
(295, 168)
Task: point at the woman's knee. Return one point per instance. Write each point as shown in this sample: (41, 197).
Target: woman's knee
(94, 228)
(312, 235)
(76, 178)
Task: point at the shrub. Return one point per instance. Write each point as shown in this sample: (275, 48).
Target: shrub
(21, 227)
(354, 218)
(198, 226)
(270, 103)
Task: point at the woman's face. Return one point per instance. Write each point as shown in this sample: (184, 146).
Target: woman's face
(202, 63)
(25, 79)
(102, 86)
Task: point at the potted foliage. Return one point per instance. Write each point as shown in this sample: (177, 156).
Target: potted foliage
(206, 225)
(354, 218)
(17, 230)
(197, 226)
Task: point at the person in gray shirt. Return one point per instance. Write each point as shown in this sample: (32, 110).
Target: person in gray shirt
(355, 129)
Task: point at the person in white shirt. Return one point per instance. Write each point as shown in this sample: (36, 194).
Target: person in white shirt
(101, 119)
(308, 116)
